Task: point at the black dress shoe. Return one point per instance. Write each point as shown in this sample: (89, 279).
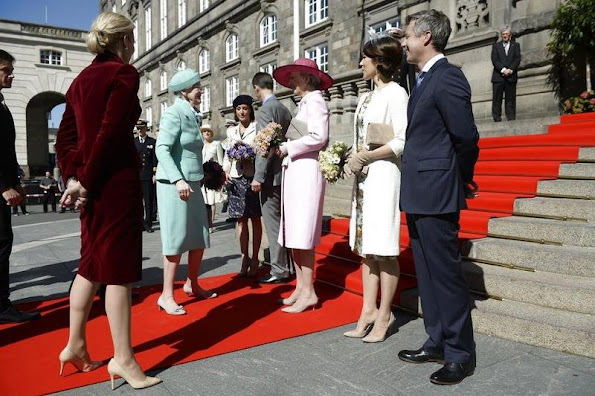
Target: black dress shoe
(13, 315)
(421, 356)
(273, 279)
(453, 373)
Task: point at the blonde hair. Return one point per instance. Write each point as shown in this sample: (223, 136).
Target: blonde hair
(106, 30)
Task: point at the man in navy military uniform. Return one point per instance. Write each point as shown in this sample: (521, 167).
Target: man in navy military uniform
(145, 145)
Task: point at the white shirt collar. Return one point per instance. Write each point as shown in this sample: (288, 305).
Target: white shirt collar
(432, 62)
(267, 98)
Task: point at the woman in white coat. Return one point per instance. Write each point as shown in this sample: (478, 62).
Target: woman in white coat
(211, 151)
(375, 217)
(303, 185)
(244, 204)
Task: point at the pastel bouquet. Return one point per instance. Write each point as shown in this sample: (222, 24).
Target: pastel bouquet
(584, 103)
(332, 160)
(267, 138)
(214, 175)
(241, 151)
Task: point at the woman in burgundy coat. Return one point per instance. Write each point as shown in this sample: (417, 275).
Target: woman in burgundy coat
(99, 162)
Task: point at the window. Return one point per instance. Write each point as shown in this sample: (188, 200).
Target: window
(181, 13)
(381, 27)
(163, 106)
(123, 3)
(232, 89)
(148, 34)
(135, 34)
(181, 65)
(50, 57)
(204, 4)
(269, 68)
(205, 99)
(316, 11)
(149, 115)
(268, 30)
(114, 9)
(163, 18)
(148, 88)
(320, 55)
(204, 61)
(231, 47)
(163, 80)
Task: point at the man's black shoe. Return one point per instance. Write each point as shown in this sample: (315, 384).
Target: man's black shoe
(453, 373)
(273, 279)
(421, 356)
(13, 315)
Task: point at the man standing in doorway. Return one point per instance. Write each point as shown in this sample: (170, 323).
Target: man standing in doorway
(506, 58)
(12, 194)
(145, 145)
(267, 177)
(48, 184)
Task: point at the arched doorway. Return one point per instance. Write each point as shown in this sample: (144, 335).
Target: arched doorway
(39, 159)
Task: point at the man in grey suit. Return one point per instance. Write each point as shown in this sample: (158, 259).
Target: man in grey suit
(267, 178)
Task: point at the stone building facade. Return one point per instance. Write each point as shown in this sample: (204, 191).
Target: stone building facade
(228, 41)
(48, 58)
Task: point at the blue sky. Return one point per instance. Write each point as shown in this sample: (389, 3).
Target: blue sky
(76, 14)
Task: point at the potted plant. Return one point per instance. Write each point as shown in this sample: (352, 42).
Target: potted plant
(572, 47)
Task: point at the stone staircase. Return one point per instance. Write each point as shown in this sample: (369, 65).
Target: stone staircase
(533, 276)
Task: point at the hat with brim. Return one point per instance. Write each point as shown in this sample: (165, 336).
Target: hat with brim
(183, 79)
(206, 127)
(141, 123)
(306, 66)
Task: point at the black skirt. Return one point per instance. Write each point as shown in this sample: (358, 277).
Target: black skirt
(243, 202)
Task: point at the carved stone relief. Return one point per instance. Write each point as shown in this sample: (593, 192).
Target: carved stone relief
(471, 15)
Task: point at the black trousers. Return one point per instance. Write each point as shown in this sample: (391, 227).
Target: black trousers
(49, 196)
(6, 238)
(149, 201)
(508, 90)
(443, 291)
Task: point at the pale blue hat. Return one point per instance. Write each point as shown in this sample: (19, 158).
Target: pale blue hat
(183, 79)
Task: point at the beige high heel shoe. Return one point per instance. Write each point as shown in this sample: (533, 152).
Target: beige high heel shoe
(81, 364)
(177, 311)
(388, 330)
(367, 328)
(114, 369)
(200, 293)
(297, 308)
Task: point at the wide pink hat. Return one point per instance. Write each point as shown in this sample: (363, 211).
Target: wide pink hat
(302, 65)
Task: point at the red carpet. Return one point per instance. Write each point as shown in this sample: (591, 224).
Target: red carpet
(244, 315)
(509, 167)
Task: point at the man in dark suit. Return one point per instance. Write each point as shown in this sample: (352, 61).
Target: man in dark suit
(145, 145)
(267, 177)
(506, 58)
(437, 164)
(12, 194)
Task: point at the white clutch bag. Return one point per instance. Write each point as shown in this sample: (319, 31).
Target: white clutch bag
(296, 129)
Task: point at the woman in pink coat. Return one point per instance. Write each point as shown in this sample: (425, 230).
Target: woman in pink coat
(303, 184)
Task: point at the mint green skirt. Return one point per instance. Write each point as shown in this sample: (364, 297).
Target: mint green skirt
(183, 224)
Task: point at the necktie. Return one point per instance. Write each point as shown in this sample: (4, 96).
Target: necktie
(420, 78)
(506, 46)
(141, 140)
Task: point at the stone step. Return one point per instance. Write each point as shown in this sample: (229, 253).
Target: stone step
(568, 260)
(563, 207)
(552, 328)
(586, 154)
(567, 188)
(574, 233)
(579, 170)
(566, 292)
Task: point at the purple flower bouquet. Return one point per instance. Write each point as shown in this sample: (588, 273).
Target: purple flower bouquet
(241, 151)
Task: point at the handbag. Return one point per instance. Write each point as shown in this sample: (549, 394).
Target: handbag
(296, 129)
(379, 134)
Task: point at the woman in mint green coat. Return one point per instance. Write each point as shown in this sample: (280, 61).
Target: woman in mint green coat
(182, 213)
